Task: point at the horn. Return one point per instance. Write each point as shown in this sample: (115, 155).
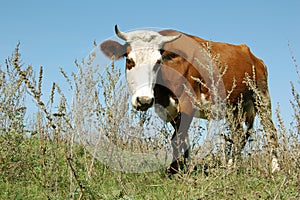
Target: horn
(120, 34)
(167, 39)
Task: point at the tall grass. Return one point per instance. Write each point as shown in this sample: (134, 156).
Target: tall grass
(50, 158)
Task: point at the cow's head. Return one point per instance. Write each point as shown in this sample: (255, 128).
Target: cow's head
(142, 50)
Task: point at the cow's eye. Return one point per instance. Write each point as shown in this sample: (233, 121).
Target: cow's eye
(129, 63)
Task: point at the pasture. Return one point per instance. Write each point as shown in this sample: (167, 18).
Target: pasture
(45, 157)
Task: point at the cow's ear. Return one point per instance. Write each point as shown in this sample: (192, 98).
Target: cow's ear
(114, 50)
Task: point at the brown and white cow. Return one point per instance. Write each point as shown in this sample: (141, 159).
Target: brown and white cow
(170, 69)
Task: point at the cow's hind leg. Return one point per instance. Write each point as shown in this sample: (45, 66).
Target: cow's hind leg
(249, 114)
(263, 107)
(236, 141)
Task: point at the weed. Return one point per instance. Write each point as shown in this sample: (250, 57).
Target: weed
(50, 159)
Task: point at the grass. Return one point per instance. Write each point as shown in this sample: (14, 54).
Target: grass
(49, 160)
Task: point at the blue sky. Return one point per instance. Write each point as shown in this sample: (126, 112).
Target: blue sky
(55, 33)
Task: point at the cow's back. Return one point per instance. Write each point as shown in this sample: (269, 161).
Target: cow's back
(238, 60)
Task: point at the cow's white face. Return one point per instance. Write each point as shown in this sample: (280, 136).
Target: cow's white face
(143, 59)
(142, 65)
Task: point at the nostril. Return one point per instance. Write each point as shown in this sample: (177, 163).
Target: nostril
(138, 100)
(151, 101)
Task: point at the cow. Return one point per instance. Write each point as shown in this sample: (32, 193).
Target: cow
(169, 69)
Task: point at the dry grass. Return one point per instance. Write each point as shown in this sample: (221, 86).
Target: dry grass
(50, 158)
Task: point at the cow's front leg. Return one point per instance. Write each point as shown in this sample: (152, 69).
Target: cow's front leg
(180, 143)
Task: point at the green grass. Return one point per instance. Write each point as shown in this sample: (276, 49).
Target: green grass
(31, 177)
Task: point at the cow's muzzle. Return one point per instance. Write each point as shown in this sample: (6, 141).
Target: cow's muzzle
(143, 103)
